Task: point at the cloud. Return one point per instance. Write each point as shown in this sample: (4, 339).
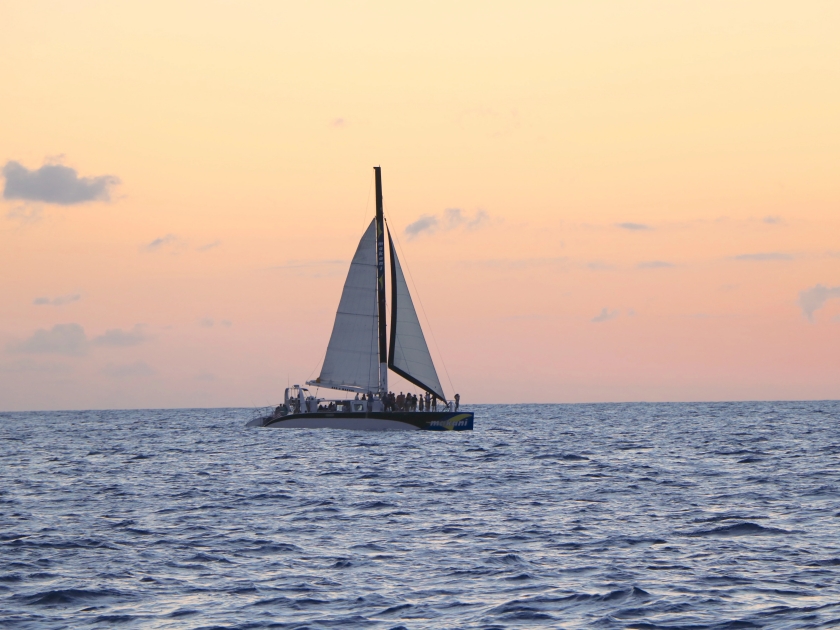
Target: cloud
(158, 243)
(604, 316)
(764, 256)
(772, 220)
(300, 264)
(338, 123)
(26, 214)
(633, 226)
(597, 265)
(426, 223)
(27, 365)
(70, 340)
(517, 263)
(813, 299)
(451, 219)
(207, 322)
(54, 183)
(205, 376)
(226, 323)
(655, 264)
(57, 301)
(66, 339)
(120, 338)
(209, 246)
(128, 370)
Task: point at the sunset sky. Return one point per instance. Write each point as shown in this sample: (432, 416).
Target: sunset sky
(597, 201)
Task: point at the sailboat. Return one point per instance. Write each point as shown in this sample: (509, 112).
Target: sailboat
(360, 355)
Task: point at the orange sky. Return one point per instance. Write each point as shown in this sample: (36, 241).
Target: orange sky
(648, 196)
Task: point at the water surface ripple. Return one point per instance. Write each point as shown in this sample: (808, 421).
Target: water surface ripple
(722, 515)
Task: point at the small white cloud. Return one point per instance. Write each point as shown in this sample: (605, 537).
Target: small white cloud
(813, 299)
(338, 123)
(772, 220)
(206, 322)
(226, 323)
(633, 226)
(605, 315)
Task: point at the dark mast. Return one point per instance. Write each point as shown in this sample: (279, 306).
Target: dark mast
(380, 282)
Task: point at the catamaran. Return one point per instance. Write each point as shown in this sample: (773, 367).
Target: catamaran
(360, 355)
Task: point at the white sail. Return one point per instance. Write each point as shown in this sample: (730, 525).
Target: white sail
(352, 359)
(409, 354)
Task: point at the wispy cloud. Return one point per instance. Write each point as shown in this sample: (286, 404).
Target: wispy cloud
(813, 299)
(338, 123)
(159, 243)
(28, 365)
(209, 246)
(426, 223)
(71, 340)
(129, 370)
(57, 301)
(450, 219)
(517, 263)
(300, 264)
(67, 339)
(54, 183)
(633, 226)
(116, 337)
(763, 256)
(772, 220)
(27, 214)
(605, 315)
(655, 264)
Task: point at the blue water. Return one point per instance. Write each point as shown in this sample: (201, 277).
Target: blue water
(563, 516)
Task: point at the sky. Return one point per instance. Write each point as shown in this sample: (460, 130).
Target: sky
(596, 201)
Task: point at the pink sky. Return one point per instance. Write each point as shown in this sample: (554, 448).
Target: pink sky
(624, 201)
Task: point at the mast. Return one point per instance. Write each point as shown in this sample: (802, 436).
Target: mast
(380, 283)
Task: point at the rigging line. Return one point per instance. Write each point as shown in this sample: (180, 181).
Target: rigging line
(367, 203)
(423, 308)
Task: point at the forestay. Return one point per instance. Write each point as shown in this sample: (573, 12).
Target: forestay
(352, 359)
(409, 354)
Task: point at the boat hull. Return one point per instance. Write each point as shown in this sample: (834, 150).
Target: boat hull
(373, 421)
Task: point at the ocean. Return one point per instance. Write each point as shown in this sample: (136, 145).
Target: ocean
(702, 515)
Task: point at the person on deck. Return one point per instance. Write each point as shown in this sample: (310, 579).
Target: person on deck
(401, 402)
(428, 401)
(421, 402)
(434, 403)
(457, 401)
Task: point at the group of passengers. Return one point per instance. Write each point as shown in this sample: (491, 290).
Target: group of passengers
(410, 402)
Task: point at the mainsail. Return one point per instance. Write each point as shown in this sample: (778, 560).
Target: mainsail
(409, 355)
(352, 360)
